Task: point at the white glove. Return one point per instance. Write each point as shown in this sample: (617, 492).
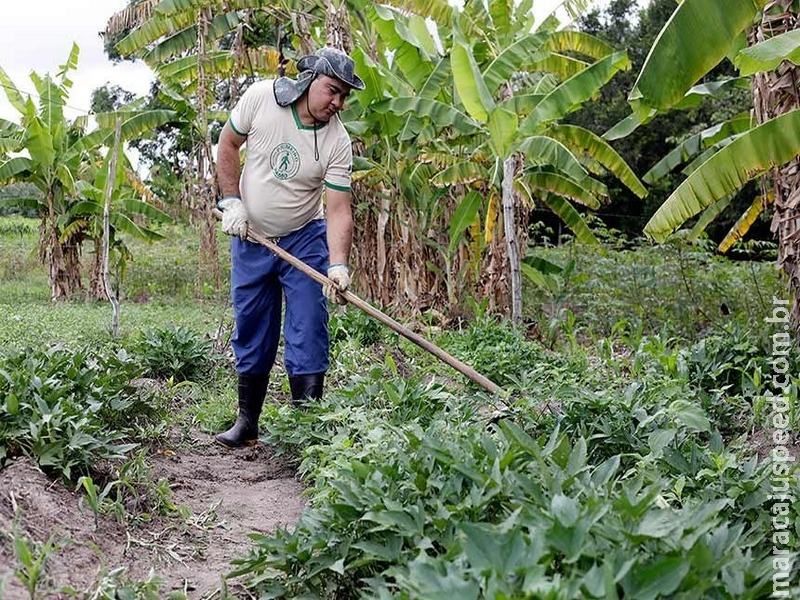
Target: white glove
(234, 216)
(339, 274)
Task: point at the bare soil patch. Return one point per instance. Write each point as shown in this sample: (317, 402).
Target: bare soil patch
(226, 495)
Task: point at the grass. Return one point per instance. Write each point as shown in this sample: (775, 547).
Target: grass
(27, 324)
(160, 289)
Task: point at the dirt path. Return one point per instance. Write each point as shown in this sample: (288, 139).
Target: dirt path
(226, 496)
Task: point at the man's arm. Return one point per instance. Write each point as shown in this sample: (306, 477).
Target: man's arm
(228, 166)
(339, 217)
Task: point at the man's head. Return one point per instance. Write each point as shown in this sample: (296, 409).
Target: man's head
(328, 70)
(325, 97)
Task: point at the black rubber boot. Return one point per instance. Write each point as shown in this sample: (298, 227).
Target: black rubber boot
(252, 391)
(306, 387)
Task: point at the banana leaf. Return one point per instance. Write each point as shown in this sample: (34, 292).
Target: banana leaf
(579, 139)
(568, 40)
(767, 55)
(440, 113)
(513, 59)
(502, 129)
(770, 144)
(408, 53)
(13, 94)
(708, 216)
(742, 225)
(559, 185)
(543, 150)
(185, 69)
(571, 94)
(697, 143)
(472, 90)
(461, 172)
(571, 218)
(463, 217)
(560, 65)
(698, 35)
(154, 29)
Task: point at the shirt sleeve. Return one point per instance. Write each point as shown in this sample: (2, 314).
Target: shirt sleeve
(241, 117)
(340, 167)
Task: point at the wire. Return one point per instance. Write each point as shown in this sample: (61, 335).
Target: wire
(37, 96)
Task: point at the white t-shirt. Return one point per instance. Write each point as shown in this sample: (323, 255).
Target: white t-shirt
(282, 182)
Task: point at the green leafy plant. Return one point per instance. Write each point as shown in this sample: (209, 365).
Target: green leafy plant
(174, 352)
(494, 348)
(96, 499)
(68, 408)
(354, 324)
(591, 498)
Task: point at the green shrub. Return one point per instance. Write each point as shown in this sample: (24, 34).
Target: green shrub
(495, 349)
(173, 352)
(684, 288)
(352, 324)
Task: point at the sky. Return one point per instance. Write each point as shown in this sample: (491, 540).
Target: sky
(37, 35)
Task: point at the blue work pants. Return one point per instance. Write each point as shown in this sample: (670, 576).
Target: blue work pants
(259, 282)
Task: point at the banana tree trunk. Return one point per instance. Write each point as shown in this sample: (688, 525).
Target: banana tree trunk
(109, 192)
(206, 168)
(97, 286)
(512, 245)
(61, 255)
(775, 93)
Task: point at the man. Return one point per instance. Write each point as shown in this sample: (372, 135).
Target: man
(296, 147)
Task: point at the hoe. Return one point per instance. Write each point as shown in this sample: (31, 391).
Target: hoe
(373, 312)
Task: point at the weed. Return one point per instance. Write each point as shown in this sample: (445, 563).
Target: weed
(115, 585)
(96, 499)
(350, 323)
(495, 349)
(32, 560)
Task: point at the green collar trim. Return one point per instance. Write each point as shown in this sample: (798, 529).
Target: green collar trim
(299, 123)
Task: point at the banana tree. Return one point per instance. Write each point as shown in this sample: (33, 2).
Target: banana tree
(130, 218)
(53, 153)
(51, 159)
(762, 40)
(56, 155)
(502, 126)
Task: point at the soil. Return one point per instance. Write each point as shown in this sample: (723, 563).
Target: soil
(226, 495)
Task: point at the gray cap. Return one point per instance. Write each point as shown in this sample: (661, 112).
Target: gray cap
(326, 61)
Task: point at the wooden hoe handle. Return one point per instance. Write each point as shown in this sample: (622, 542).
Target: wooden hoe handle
(373, 312)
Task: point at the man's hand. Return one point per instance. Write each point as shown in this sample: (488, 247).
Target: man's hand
(234, 216)
(339, 274)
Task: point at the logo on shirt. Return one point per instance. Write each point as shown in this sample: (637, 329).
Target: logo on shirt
(285, 161)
